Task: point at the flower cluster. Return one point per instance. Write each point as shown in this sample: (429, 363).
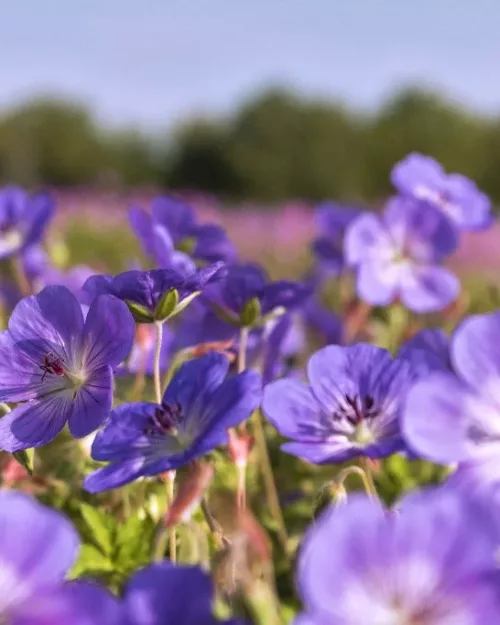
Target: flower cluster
(183, 375)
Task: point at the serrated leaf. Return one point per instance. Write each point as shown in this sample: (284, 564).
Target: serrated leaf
(91, 559)
(100, 525)
(133, 542)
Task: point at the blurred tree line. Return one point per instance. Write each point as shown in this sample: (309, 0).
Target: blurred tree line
(275, 146)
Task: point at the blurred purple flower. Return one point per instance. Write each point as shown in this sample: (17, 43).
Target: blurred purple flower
(141, 358)
(332, 221)
(199, 406)
(246, 282)
(397, 255)
(454, 195)
(171, 235)
(23, 219)
(432, 341)
(430, 563)
(60, 365)
(164, 593)
(456, 418)
(350, 408)
(38, 547)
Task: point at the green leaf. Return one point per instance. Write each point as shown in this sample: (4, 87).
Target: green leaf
(91, 559)
(140, 313)
(134, 541)
(166, 305)
(185, 302)
(100, 525)
(25, 458)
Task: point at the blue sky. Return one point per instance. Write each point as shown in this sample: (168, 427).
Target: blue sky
(157, 61)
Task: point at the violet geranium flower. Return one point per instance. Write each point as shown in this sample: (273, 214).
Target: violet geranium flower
(23, 219)
(38, 547)
(456, 418)
(170, 234)
(60, 365)
(430, 563)
(398, 255)
(199, 406)
(144, 290)
(454, 195)
(350, 408)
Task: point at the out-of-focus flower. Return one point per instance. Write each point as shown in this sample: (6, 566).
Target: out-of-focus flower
(246, 293)
(147, 292)
(38, 547)
(165, 593)
(332, 221)
(350, 408)
(398, 255)
(141, 357)
(199, 406)
(432, 341)
(171, 235)
(23, 219)
(456, 418)
(60, 365)
(454, 195)
(432, 562)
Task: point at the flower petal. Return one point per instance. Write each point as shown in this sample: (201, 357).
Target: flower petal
(475, 351)
(436, 422)
(175, 215)
(37, 546)
(377, 283)
(108, 331)
(429, 288)
(92, 403)
(232, 403)
(293, 409)
(35, 423)
(51, 321)
(364, 236)
(115, 474)
(20, 377)
(331, 452)
(164, 593)
(195, 382)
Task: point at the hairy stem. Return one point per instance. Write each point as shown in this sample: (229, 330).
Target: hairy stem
(173, 535)
(157, 378)
(242, 349)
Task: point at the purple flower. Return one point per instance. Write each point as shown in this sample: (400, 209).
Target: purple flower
(432, 342)
(454, 195)
(199, 406)
(248, 282)
(23, 219)
(145, 290)
(164, 593)
(60, 365)
(430, 563)
(456, 418)
(170, 234)
(398, 255)
(350, 408)
(332, 221)
(38, 547)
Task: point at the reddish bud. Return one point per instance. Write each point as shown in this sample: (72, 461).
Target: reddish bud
(239, 447)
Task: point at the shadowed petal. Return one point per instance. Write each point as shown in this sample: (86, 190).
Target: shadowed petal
(164, 593)
(323, 453)
(173, 214)
(92, 403)
(109, 332)
(35, 423)
(115, 474)
(20, 376)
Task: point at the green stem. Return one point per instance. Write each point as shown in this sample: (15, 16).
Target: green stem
(157, 378)
(242, 350)
(371, 488)
(368, 484)
(166, 534)
(268, 476)
(173, 534)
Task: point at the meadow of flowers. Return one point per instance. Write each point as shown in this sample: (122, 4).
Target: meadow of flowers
(189, 441)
